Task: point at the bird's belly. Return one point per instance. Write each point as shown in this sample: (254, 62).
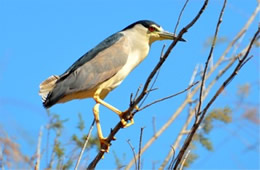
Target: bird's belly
(78, 95)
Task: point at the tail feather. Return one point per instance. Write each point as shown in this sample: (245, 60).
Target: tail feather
(47, 86)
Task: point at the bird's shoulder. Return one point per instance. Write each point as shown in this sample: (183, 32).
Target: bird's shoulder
(93, 53)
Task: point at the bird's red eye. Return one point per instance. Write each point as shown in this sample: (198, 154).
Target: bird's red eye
(151, 29)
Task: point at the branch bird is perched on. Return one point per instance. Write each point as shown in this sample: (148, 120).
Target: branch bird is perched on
(103, 68)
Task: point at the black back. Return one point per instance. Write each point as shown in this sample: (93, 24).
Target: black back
(145, 23)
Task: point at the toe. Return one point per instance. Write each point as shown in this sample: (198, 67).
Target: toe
(126, 124)
(123, 122)
(104, 145)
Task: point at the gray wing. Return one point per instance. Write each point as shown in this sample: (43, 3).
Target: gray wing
(91, 70)
(99, 69)
(108, 42)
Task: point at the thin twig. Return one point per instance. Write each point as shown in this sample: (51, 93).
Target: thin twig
(48, 136)
(85, 144)
(53, 153)
(139, 150)
(246, 61)
(195, 71)
(177, 141)
(133, 150)
(162, 51)
(210, 56)
(172, 160)
(151, 88)
(1, 158)
(154, 125)
(38, 151)
(184, 148)
(179, 18)
(155, 79)
(136, 94)
(165, 98)
(241, 32)
(184, 160)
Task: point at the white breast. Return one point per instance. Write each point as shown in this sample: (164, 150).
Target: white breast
(139, 51)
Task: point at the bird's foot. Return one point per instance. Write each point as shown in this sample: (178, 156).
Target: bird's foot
(104, 144)
(137, 108)
(125, 123)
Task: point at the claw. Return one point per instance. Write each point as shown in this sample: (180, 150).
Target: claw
(130, 123)
(104, 145)
(125, 124)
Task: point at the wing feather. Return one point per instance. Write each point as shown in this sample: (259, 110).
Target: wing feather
(90, 71)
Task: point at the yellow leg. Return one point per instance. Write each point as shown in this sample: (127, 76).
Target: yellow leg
(104, 145)
(117, 111)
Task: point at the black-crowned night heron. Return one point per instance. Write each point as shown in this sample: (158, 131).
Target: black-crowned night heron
(103, 68)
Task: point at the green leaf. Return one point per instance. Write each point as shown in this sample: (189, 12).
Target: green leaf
(205, 142)
(58, 149)
(190, 159)
(68, 164)
(81, 124)
(220, 40)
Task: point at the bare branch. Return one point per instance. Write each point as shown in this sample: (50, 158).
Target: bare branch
(240, 33)
(133, 150)
(161, 56)
(184, 148)
(85, 144)
(187, 101)
(154, 126)
(172, 161)
(38, 151)
(178, 139)
(184, 160)
(53, 153)
(155, 79)
(195, 71)
(151, 89)
(1, 158)
(165, 98)
(179, 18)
(139, 150)
(219, 91)
(209, 57)
(136, 94)
(191, 114)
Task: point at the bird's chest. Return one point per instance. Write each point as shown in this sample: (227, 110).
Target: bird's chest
(135, 57)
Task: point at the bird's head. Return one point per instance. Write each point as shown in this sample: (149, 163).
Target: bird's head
(151, 30)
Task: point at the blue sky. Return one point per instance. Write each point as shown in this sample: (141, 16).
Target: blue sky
(42, 38)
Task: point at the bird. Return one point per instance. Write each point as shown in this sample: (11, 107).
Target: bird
(103, 68)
